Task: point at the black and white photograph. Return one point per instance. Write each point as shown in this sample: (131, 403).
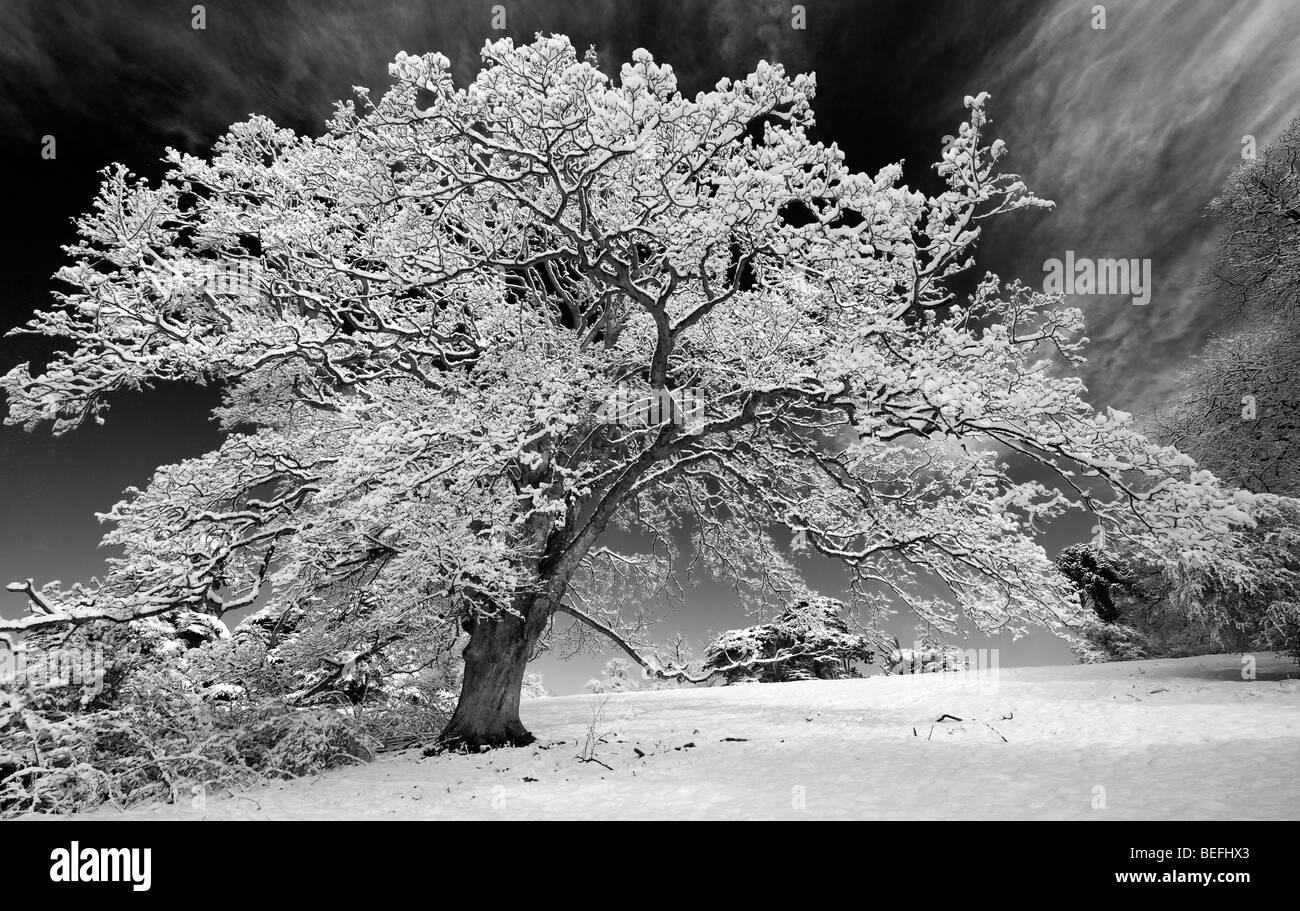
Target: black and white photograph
(692, 411)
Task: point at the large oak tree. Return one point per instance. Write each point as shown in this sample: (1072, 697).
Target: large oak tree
(420, 319)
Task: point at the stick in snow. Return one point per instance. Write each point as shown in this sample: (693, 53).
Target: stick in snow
(995, 731)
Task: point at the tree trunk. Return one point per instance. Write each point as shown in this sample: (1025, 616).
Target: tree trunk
(487, 713)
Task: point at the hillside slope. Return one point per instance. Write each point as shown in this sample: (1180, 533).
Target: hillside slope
(1164, 739)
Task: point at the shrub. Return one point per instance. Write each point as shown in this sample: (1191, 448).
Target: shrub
(809, 640)
(162, 742)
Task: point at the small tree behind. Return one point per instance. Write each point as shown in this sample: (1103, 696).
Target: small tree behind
(1239, 409)
(808, 640)
(618, 676)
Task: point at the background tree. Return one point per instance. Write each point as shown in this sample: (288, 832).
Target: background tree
(929, 657)
(534, 687)
(1239, 409)
(436, 300)
(1143, 610)
(1099, 577)
(617, 676)
(808, 640)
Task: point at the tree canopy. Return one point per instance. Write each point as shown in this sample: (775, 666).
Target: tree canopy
(423, 314)
(1238, 410)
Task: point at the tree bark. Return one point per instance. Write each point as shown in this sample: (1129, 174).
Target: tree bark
(496, 657)
(487, 713)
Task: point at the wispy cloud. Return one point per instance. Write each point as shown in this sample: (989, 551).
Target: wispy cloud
(1132, 130)
(291, 59)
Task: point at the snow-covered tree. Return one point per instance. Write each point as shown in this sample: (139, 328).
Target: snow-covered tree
(1238, 410)
(808, 640)
(617, 676)
(420, 318)
(1257, 263)
(534, 687)
(1240, 600)
(929, 657)
(1099, 577)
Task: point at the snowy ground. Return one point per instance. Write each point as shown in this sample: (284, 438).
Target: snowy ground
(1168, 739)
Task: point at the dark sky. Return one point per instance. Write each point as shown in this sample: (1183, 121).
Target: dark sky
(1130, 129)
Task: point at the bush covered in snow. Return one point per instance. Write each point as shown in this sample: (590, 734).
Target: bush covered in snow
(618, 676)
(534, 687)
(1132, 616)
(167, 703)
(1281, 631)
(930, 657)
(1143, 609)
(164, 737)
(1101, 642)
(1099, 578)
(808, 640)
